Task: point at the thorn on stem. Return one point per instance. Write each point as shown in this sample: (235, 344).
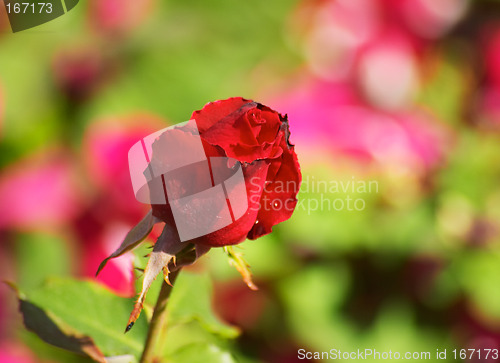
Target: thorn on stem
(166, 274)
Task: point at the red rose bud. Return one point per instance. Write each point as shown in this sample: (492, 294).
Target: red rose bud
(228, 174)
(254, 140)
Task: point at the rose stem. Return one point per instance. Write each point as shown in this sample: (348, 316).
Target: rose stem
(158, 319)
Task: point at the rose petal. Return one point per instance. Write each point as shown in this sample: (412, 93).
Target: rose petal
(213, 112)
(255, 177)
(238, 137)
(278, 199)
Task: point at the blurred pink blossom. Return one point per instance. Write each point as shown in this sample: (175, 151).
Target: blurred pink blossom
(358, 94)
(387, 72)
(98, 241)
(15, 353)
(42, 193)
(114, 210)
(337, 32)
(331, 116)
(118, 17)
(429, 19)
(105, 152)
(47, 192)
(38, 192)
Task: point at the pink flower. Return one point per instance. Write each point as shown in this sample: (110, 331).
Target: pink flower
(15, 353)
(118, 17)
(428, 19)
(330, 116)
(42, 193)
(28, 188)
(337, 31)
(309, 103)
(97, 242)
(114, 209)
(46, 192)
(387, 71)
(105, 152)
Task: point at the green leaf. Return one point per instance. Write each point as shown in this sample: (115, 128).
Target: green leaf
(59, 335)
(62, 310)
(47, 352)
